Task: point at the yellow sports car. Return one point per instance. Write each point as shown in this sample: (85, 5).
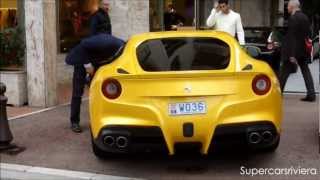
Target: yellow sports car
(174, 90)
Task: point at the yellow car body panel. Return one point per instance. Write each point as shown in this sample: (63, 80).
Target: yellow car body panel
(145, 95)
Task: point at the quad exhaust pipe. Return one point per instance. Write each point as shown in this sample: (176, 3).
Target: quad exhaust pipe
(256, 137)
(120, 142)
(267, 136)
(109, 141)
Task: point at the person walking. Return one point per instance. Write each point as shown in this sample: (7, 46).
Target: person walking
(222, 18)
(100, 21)
(294, 51)
(85, 57)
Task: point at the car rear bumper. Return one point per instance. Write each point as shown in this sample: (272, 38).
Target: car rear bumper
(144, 139)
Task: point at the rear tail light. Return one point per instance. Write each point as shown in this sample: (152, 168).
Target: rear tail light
(261, 84)
(111, 88)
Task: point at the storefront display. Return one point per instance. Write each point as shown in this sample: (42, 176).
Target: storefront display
(74, 21)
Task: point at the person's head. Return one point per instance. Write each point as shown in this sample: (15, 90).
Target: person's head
(171, 8)
(224, 6)
(293, 6)
(105, 5)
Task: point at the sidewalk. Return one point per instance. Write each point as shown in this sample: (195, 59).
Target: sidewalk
(64, 92)
(296, 84)
(21, 172)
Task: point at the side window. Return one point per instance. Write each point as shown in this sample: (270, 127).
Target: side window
(183, 54)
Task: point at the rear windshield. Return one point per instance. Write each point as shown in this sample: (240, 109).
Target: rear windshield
(183, 54)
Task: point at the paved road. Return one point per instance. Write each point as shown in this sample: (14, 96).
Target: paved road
(51, 144)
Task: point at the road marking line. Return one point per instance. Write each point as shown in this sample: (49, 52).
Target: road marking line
(22, 170)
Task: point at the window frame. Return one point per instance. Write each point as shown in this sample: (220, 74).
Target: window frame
(229, 67)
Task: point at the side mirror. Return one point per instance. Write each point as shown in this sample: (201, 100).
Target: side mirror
(253, 51)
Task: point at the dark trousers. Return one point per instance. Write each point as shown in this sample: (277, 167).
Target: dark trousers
(288, 68)
(78, 83)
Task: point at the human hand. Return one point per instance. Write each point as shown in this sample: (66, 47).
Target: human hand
(216, 6)
(293, 60)
(174, 27)
(90, 70)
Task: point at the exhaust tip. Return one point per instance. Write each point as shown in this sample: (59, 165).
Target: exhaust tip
(267, 136)
(122, 142)
(108, 140)
(254, 138)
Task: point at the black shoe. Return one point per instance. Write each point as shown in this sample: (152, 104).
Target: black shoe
(76, 128)
(309, 99)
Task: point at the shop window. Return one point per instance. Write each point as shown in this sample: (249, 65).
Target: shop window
(8, 14)
(12, 38)
(193, 13)
(74, 21)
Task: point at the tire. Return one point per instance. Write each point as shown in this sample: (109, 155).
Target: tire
(99, 153)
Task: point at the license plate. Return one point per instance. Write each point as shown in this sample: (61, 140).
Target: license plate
(187, 108)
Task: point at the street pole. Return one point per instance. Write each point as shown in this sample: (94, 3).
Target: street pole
(5, 133)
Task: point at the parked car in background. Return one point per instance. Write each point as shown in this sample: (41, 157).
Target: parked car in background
(178, 90)
(268, 40)
(315, 54)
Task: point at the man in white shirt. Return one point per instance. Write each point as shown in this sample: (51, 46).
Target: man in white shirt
(222, 18)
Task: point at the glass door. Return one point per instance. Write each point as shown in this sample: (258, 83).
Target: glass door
(189, 14)
(156, 11)
(171, 14)
(203, 11)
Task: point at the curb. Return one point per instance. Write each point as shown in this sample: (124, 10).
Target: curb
(22, 172)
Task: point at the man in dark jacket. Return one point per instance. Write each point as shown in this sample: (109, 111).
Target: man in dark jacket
(100, 21)
(85, 57)
(172, 19)
(294, 51)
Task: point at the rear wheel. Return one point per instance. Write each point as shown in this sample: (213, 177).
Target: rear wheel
(97, 151)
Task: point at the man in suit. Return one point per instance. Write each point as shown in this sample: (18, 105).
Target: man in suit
(85, 57)
(294, 52)
(100, 21)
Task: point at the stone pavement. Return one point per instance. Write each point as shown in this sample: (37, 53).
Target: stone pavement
(64, 96)
(296, 84)
(21, 172)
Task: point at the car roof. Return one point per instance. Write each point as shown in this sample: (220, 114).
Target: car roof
(171, 34)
